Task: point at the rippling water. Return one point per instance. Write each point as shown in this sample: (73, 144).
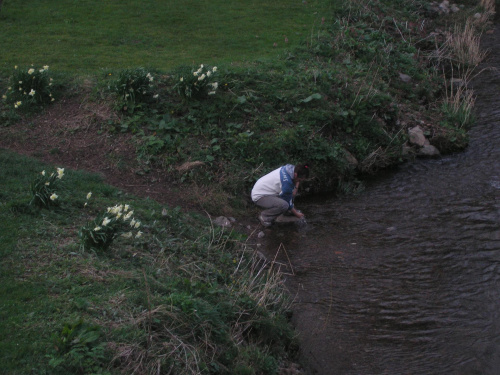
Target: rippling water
(405, 278)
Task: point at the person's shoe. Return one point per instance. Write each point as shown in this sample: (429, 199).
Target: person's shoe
(264, 223)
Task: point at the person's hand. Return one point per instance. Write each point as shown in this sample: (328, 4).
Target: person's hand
(298, 214)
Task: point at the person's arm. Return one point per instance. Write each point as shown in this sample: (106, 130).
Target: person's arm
(296, 189)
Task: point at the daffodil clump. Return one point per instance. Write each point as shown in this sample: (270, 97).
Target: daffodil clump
(199, 84)
(98, 234)
(135, 86)
(29, 87)
(44, 188)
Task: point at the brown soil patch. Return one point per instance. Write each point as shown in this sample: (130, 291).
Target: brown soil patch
(72, 134)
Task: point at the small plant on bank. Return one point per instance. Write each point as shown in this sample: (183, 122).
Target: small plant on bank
(98, 234)
(29, 88)
(44, 187)
(78, 350)
(199, 84)
(135, 87)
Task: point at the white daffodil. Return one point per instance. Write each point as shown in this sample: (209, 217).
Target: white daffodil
(202, 77)
(46, 67)
(60, 173)
(127, 235)
(32, 92)
(42, 173)
(214, 69)
(132, 222)
(53, 197)
(127, 216)
(126, 207)
(31, 71)
(106, 221)
(139, 234)
(137, 224)
(47, 183)
(98, 228)
(209, 73)
(18, 104)
(211, 93)
(89, 195)
(182, 79)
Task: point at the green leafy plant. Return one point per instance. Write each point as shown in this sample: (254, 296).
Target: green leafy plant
(135, 87)
(199, 84)
(116, 221)
(78, 350)
(43, 188)
(29, 88)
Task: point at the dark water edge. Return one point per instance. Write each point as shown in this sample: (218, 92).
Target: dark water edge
(405, 278)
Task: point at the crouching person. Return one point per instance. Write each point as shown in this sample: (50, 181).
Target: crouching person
(276, 190)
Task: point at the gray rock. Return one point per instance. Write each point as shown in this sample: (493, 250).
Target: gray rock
(405, 77)
(223, 222)
(416, 136)
(428, 150)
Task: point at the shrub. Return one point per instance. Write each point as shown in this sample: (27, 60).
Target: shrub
(98, 234)
(198, 84)
(135, 87)
(29, 88)
(43, 188)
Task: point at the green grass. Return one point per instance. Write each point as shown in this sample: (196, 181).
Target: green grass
(84, 36)
(183, 297)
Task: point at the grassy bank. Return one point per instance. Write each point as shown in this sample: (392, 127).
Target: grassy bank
(185, 296)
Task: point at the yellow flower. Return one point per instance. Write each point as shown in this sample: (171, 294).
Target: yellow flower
(53, 197)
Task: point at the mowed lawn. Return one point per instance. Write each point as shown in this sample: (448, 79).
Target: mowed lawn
(84, 36)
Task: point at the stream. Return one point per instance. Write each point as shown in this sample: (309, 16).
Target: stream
(405, 277)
